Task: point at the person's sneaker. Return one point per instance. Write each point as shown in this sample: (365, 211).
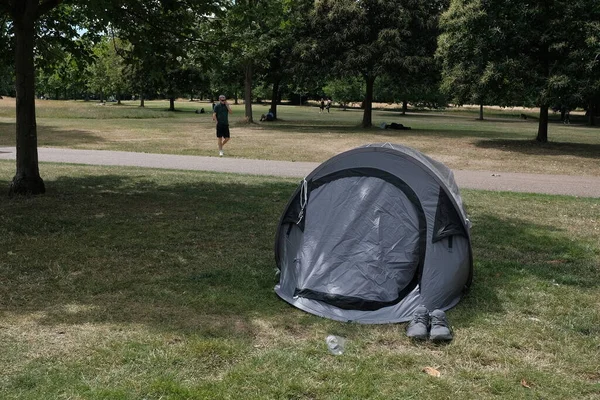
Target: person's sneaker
(440, 331)
(221, 153)
(418, 328)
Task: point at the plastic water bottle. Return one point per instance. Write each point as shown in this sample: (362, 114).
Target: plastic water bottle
(335, 344)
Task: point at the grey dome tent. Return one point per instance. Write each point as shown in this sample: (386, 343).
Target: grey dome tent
(371, 234)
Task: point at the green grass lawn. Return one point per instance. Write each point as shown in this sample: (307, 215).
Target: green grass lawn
(125, 283)
(502, 142)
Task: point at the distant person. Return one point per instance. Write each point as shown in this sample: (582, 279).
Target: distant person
(328, 106)
(394, 125)
(567, 119)
(220, 115)
(269, 116)
(322, 106)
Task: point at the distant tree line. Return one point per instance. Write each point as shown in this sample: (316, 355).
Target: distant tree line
(543, 53)
(504, 52)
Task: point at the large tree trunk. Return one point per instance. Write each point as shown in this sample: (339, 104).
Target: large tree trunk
(27, 179)
(367, 121)
(275, 98)
(142, 100)
(404, 107)
(248, 91)
(542, 135)
(592, 110)
(481, 112)
(172, 104)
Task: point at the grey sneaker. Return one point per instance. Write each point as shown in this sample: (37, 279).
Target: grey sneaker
(419, 326)
(440, 331)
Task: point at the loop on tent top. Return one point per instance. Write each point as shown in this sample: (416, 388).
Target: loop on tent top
(303, 199)
(386, 144)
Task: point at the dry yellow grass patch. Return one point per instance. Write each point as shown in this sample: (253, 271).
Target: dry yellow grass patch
(38, 340)
(500, 143)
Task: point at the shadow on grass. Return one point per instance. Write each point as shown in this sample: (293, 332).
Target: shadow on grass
(458, 115)
(545, 251)
(456, 127)
(321, 127)
(459, 132)
(316, 127)
(532, 147)
(7, 133)
(180, 108)
(193, 256)
(49, 136)
(196, 256)
(507, 250)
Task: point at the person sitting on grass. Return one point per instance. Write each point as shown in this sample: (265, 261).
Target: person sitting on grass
(269, 116)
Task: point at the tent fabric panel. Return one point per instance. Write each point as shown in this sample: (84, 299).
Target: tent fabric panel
(401, 312)
(446, 275)
(439, 169)
(415, 169)
(288, 270)
(355, 303)
(361, 239)
(394, 158)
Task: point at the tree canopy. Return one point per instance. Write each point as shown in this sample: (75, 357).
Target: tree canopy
(532, 53)
(370, 38)
(504, 52)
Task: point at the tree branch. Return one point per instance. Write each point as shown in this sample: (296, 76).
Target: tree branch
(163, 28)
(46, 6)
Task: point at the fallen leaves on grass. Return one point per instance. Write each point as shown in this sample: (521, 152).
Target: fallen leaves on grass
(525, 384)
(432, 371)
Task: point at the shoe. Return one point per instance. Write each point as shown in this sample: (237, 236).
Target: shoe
(440, 331)
(221, 153)
(418, 328)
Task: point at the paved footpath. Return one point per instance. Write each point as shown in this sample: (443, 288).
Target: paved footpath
(583, 186)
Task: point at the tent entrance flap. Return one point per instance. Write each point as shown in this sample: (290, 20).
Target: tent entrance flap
(363, 242)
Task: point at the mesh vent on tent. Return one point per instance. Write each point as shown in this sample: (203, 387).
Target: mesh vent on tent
(447, 220)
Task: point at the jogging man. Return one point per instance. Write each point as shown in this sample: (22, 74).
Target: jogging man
(220, 115)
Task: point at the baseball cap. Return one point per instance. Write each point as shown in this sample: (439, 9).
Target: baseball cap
(222, 97)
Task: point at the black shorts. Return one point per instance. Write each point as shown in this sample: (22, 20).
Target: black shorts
(222, 131)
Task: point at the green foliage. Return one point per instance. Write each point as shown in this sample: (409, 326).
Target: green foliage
(472, 49)
(166, 49)
(107, 72)
(255, 38)
(59, 35)
(6, 58)
(345, 91)
(7, 80)
(370, 38)
(520, 53)
(283, 71)
(421, 92)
